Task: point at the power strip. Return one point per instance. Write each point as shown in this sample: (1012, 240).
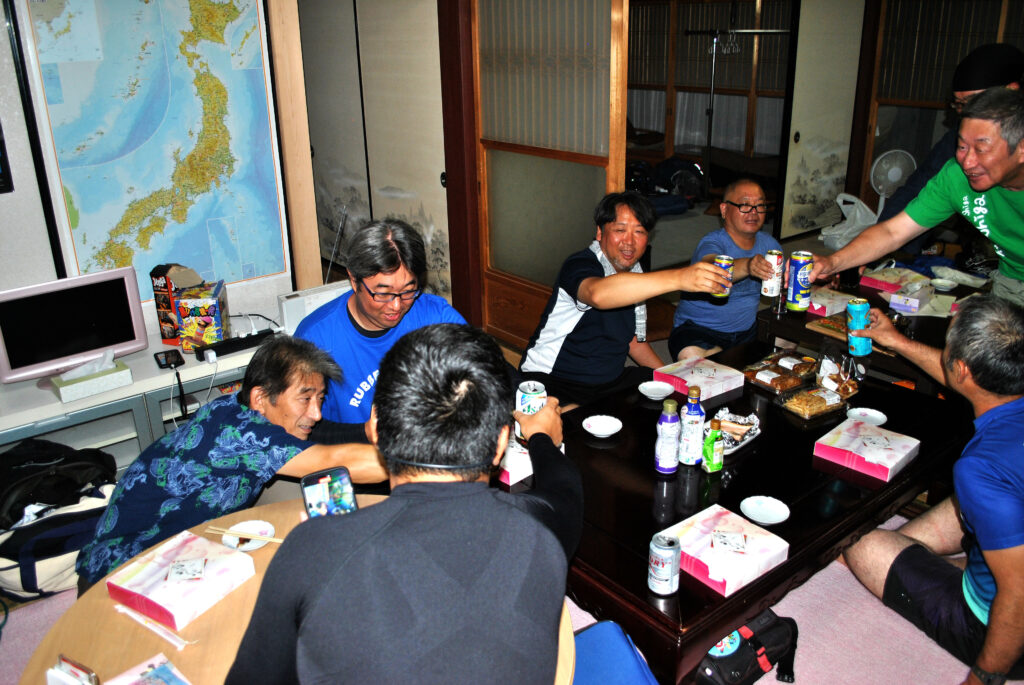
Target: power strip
(234, 344)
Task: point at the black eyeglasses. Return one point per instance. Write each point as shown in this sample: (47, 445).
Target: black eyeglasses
(388, 298)
(747, 209)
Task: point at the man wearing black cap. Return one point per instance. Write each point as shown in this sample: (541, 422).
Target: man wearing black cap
(985, 184)
(987, 66)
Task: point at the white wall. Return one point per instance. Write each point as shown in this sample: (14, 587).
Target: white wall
(25, 256)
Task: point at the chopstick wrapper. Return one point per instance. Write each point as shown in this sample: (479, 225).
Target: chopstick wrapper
(143, 585)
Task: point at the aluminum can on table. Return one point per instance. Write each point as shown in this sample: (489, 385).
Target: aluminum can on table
(798, 295)
(663, 565)
(771, 287)
(530, 399)
(857, 320)
(726, 262)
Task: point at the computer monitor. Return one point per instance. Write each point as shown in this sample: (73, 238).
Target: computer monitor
(48, 328)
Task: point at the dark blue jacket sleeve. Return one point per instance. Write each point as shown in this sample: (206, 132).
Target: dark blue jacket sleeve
(556, 498)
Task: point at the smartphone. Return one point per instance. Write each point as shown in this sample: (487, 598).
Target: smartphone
(169, 359)
(328, 492)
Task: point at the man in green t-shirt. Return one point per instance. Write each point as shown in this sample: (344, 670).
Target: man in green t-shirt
(985, 184)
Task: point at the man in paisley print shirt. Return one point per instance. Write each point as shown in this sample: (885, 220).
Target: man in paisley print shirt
(220, 460)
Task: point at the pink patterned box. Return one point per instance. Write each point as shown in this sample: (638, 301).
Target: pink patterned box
(867, 448)
(712, 377)
(143, 585)
(726, 569)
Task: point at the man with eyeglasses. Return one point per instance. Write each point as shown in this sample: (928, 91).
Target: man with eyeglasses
(985, 184)
(387, 267)
(704, 324)
(596, 316)
(987, 66)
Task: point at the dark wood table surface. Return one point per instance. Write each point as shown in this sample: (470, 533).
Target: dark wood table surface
(626, 503)
(772, 323)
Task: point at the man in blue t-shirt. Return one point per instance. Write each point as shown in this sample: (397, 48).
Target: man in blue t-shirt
(597, 316)
(704, 324)
(387, 266)
(220, 460)
(973, 611)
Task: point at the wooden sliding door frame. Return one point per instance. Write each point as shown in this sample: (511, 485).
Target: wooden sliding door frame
(510, 305)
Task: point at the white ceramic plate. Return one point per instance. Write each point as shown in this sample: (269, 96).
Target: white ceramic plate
(871, 416)
(656, 390)
(253, 527)
(602, 426)
(943, 285)
(764, 510)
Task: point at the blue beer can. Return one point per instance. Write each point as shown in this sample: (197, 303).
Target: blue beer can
(857, 320)
(798, 293)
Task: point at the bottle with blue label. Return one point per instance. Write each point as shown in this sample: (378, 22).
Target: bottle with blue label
(691, 436)
(666, 447)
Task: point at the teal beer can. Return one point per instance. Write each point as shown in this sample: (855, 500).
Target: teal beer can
(857, 320)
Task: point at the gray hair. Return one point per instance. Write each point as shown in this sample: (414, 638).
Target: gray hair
(383, 247)
(988, 336)
(1001, 106)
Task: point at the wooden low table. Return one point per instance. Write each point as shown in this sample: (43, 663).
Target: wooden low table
(626, 503)
(93, 633)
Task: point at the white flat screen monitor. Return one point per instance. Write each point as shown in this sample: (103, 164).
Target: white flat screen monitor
(48, 328)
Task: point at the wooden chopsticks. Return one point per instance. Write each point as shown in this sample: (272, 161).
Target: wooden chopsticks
(240, 534)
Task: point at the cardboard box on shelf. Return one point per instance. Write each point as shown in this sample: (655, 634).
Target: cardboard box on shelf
(166, 280)
(202, 315)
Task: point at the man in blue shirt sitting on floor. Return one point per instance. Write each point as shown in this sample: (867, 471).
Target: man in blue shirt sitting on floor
(972, 607)
(704, 324)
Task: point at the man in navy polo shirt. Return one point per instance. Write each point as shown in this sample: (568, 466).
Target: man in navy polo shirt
(596, 316)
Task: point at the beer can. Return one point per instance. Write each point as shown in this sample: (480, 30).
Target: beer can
(663, 565)
(726, 262)
(798, 294)
(857, 320)
(770, 287)
(530, 399)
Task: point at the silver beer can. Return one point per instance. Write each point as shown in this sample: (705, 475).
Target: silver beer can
(530, 399)
(771, 287)
(663, 565)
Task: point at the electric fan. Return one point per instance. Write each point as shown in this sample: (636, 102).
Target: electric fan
(889, 172)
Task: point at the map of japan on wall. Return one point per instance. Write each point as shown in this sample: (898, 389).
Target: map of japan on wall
(156, 122)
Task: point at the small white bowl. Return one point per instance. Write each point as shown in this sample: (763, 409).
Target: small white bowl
(602, 426)
(943, 285)
(869, 416)
(764, 510)
(656, 390)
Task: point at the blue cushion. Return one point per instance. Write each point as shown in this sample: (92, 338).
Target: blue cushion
(606, 655)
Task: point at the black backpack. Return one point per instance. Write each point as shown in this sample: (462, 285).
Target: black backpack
(40, 471)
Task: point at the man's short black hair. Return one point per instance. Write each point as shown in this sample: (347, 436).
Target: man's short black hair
(442, 398)
(280, 361)
(383, 247)
(641, 207)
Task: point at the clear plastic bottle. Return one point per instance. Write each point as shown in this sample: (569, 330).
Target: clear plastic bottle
(666, 447)
(691, 436)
